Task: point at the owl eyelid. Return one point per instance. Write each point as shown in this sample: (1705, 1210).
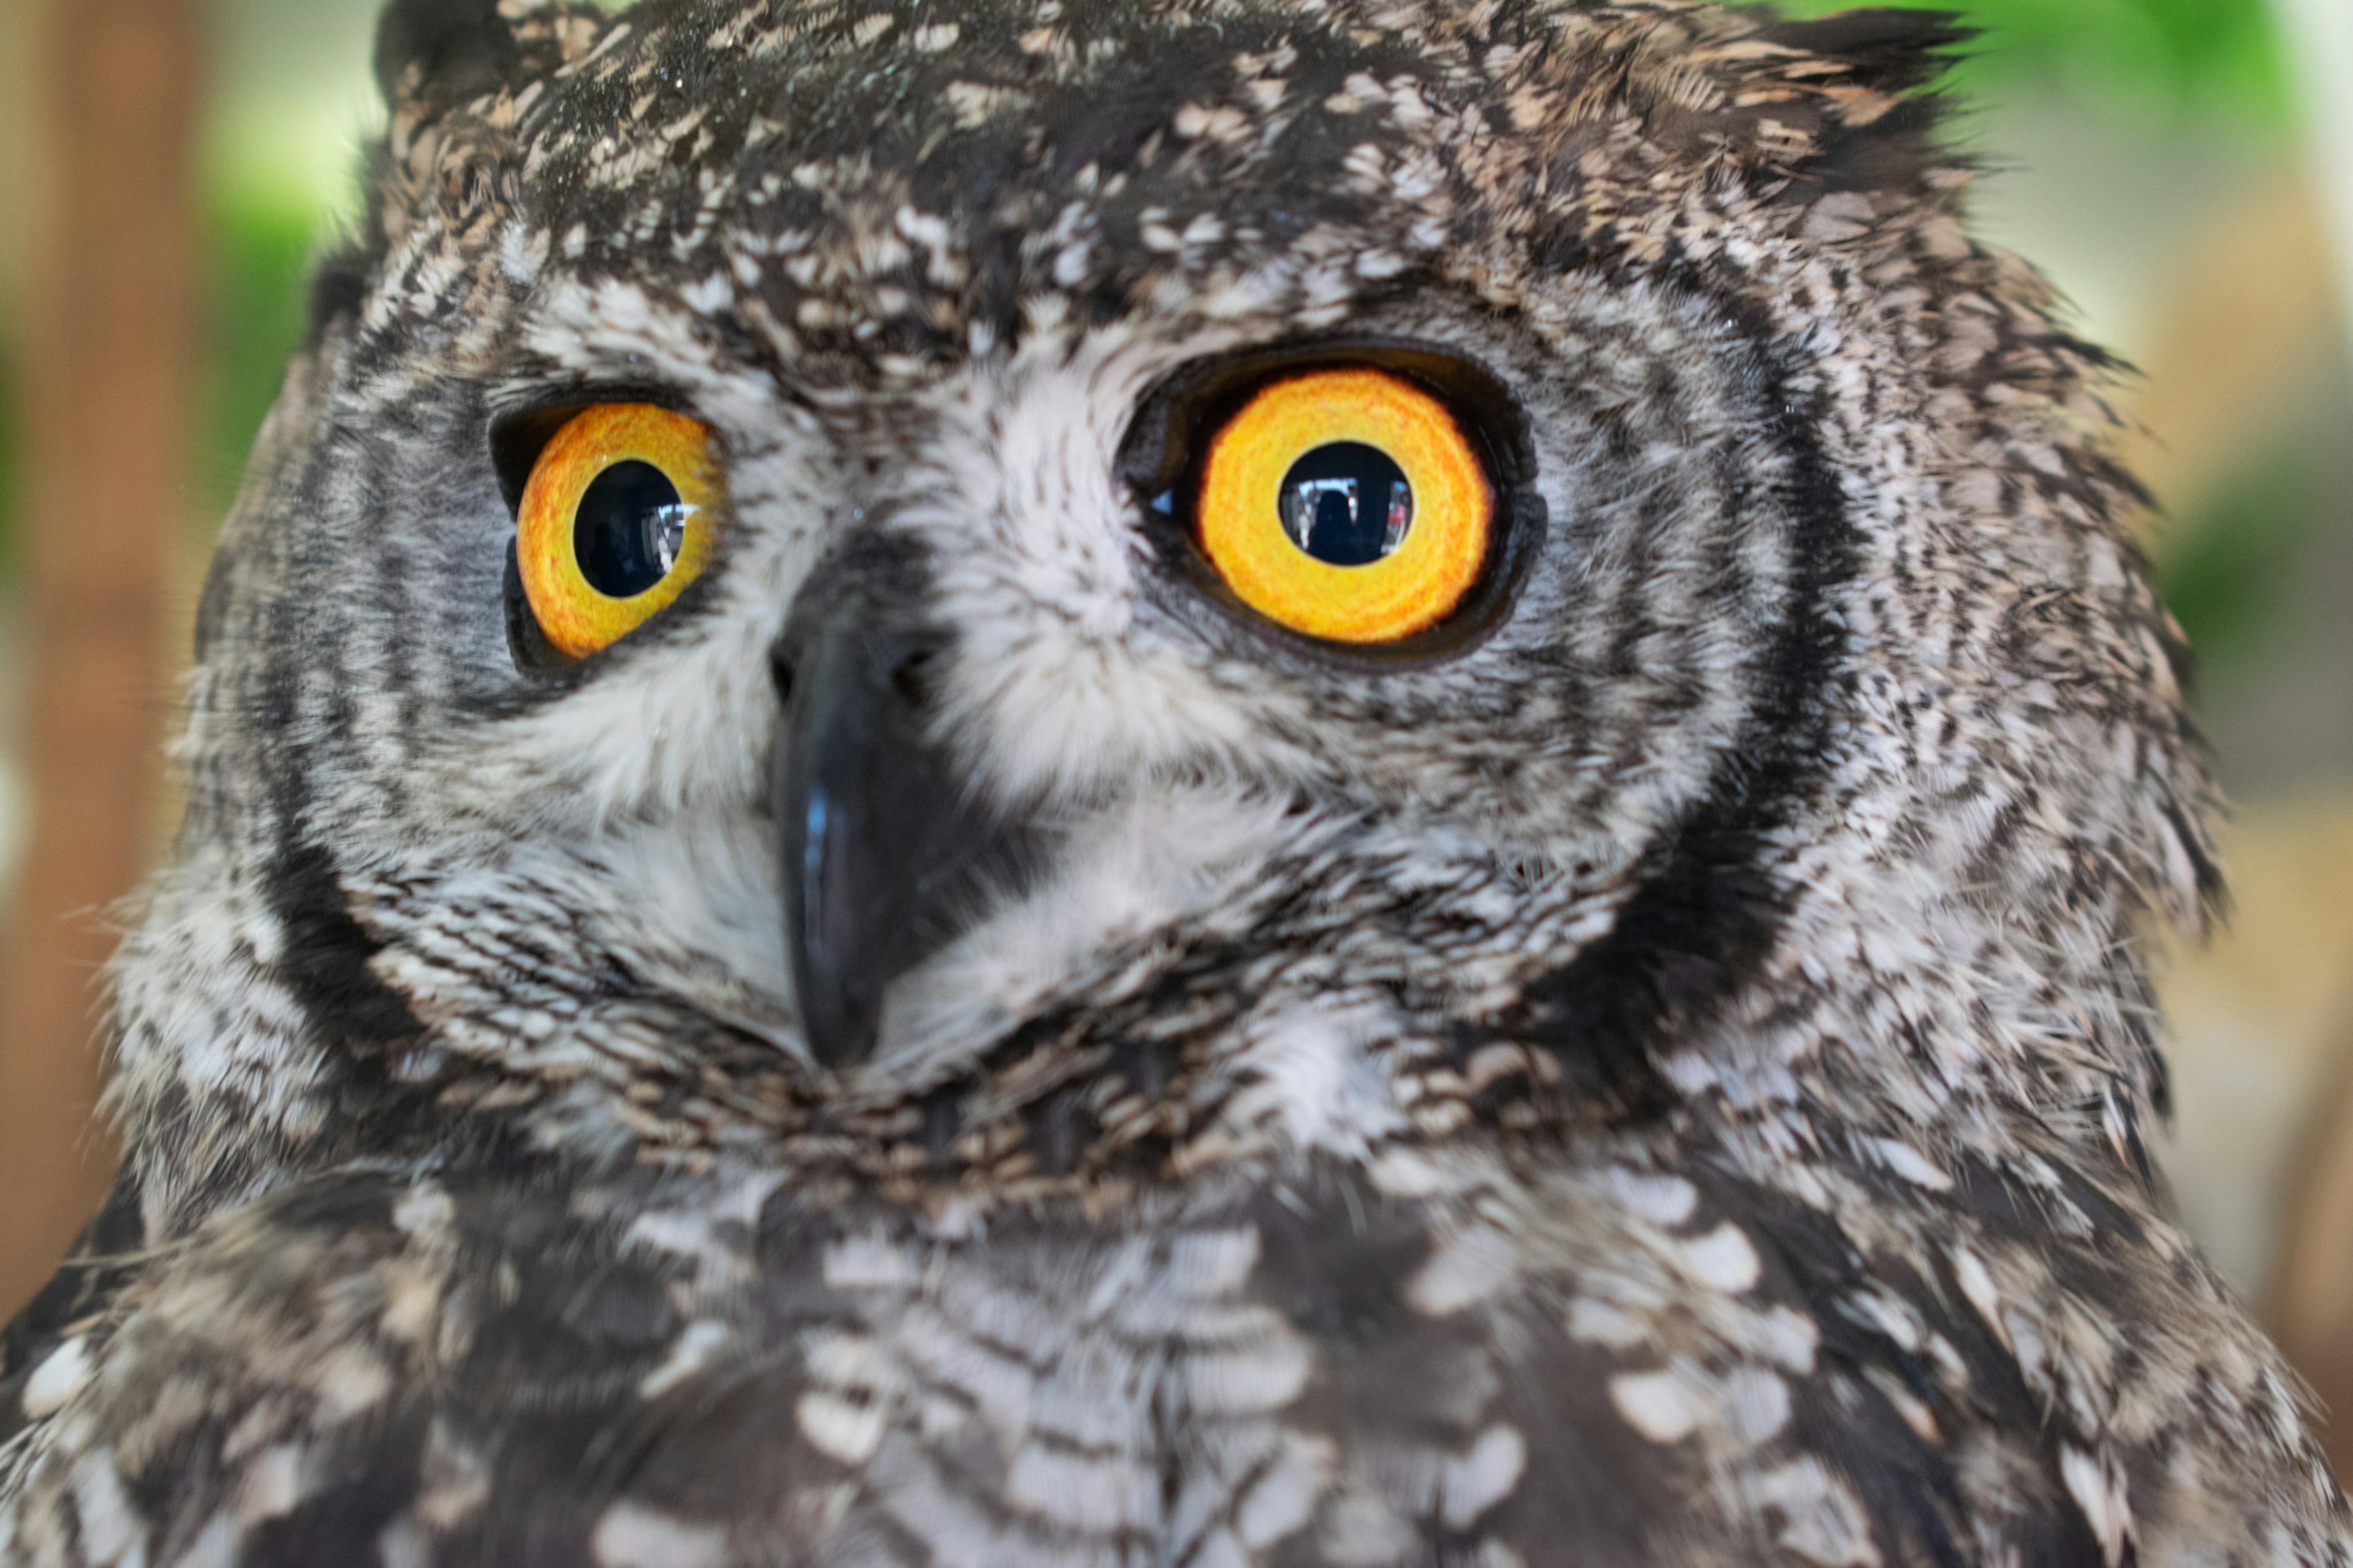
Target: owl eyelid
(518, 435)
(1175, 415)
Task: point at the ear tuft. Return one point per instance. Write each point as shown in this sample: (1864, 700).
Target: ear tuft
(1884, 48)
(443, 49)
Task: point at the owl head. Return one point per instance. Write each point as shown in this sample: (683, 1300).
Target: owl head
(1014, 597)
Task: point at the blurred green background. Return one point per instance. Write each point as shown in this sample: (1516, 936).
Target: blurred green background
(2169, 162)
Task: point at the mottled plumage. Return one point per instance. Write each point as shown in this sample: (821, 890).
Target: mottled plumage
(1659, 1078)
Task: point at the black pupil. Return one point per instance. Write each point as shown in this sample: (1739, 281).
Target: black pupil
(1346, 504)
(628, 530)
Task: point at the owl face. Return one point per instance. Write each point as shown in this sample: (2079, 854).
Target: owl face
(978, 625)
(820, 558)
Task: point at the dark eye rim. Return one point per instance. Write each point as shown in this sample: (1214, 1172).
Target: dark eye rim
(1162, 452)
(533, 654)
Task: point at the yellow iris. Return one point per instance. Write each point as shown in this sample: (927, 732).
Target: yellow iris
(1251, 479)
(618, 516)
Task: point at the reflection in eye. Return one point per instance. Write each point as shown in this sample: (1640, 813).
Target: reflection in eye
(1346, 504)
(630, 527)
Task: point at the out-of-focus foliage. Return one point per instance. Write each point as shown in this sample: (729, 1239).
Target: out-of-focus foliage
(2236, 558)
(260, 245)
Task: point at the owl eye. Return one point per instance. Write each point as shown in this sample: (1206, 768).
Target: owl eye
(1347, 504)
(616, 519)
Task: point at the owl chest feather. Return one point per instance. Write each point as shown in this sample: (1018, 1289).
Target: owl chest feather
(1300, 1367)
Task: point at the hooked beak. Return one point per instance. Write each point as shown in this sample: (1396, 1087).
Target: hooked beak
(887, 855)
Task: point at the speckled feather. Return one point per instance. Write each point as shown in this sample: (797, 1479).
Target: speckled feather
(1661, 1084)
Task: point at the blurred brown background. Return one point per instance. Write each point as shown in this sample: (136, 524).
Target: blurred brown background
(2183, 168)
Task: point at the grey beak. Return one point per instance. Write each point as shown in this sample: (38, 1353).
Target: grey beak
(887, 854)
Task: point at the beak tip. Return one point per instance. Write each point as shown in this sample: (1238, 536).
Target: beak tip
(840, 1029)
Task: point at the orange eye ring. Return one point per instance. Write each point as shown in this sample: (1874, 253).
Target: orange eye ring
(618, 516)
(1248, 483)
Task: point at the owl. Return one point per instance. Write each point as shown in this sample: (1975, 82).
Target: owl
(1178, 782)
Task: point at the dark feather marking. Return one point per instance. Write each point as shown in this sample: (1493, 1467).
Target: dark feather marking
(1902, 1479)
(1707, 912)
(943, 1122)
(561, 1328)
(99, 1263)
(338, 289)
(1889, 154)
(327, 953)
(1334, 1262)
(549, 1387)
(1905, 1482)
(1885, 47)
(1588, 1498)
(370, 1486)
(1334, 1271)
(2000, 1201)
(1060, 1130)
(461, 46)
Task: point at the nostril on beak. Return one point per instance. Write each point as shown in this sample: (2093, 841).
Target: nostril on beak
(780, 671)
(913, 678)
